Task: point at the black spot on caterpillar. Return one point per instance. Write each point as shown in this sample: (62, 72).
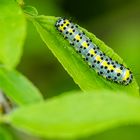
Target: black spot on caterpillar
(95, 58)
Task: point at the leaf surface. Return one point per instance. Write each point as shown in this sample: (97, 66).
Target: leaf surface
(85, 77)
(77, 115)
(18, 87)
(13, 30)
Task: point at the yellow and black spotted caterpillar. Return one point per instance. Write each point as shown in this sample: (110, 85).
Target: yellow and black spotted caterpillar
(96, 59)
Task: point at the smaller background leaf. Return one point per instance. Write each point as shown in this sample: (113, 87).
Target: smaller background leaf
(13, 30)
(18, 88)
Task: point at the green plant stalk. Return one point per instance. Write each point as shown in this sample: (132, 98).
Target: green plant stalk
(20, 2)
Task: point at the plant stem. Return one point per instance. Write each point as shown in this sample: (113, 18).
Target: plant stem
(20, 2)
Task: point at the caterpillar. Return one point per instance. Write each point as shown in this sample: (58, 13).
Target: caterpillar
(95, 58)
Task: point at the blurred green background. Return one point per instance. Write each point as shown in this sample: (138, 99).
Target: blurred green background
(116, 22)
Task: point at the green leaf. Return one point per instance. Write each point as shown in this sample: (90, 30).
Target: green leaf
(4, 134)
(77, 115)
(18, 88)
(85, 77)
(120, 133)
(12, 27)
